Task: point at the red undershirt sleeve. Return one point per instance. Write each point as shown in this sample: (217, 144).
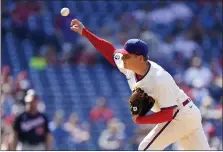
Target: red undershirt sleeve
(159, 117)
(103, 46)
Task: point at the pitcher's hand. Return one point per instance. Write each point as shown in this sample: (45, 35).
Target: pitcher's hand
(134, 117)
(76, 26)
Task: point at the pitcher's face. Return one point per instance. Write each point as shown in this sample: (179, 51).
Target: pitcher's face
(131, 61)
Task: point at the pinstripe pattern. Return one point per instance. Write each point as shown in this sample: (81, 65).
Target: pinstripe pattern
(160, 131)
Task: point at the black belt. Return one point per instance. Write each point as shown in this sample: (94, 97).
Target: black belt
(186, 102)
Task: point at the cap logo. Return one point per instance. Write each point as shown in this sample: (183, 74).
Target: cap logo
(134, 108)
(117, 57)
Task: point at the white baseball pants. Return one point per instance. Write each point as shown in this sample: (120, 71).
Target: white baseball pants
(186, 128)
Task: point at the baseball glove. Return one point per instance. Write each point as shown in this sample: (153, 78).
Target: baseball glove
(140, 102)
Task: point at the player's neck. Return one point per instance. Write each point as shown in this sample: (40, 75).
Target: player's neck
(143, 69)
(33, 111)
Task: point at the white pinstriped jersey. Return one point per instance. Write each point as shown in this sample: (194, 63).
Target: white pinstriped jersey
(157, 83)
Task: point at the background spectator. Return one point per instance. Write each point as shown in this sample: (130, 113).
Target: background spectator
(58, 131)
(112, 138)
(101, 113)
(78, 132)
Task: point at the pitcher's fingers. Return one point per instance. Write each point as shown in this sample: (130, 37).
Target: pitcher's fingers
(75, 26)
(74, 29)
(74, 21)
(71, 23)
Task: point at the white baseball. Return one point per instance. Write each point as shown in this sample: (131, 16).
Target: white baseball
(65, 11)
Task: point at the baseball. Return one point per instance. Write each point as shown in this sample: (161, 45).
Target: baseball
(65, 11)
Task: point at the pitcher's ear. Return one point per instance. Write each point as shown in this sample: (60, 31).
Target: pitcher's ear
(141, 58)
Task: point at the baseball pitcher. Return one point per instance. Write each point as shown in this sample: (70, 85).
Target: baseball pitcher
(177, 117)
